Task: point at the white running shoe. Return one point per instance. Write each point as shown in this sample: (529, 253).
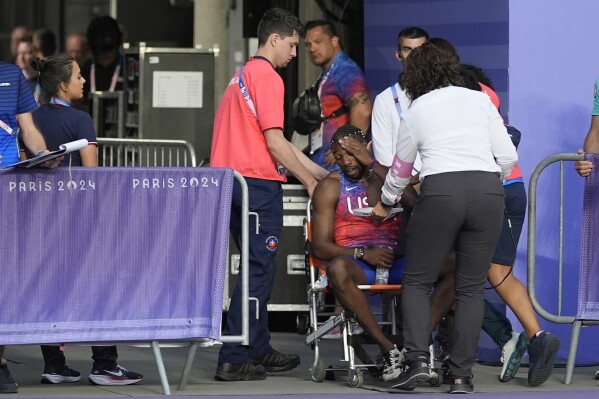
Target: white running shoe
(511, 354)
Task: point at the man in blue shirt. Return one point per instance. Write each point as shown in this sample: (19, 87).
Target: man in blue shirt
(341, 87)
(16, 104)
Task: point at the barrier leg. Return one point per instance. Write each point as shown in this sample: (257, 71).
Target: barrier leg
(191, 354)
(572, 352)
(161, 370)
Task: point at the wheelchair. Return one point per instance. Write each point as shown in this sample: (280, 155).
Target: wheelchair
(355, 360)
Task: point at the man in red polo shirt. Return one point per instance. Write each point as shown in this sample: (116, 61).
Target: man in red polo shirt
(248, 137)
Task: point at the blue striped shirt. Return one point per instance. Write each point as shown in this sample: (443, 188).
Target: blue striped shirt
(15, 98)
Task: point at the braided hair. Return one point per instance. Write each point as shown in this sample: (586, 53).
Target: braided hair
(348, 131)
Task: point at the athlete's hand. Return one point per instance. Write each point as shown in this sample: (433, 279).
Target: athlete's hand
(357, 149)
(415, 179)
(329, 158)
(379, 257)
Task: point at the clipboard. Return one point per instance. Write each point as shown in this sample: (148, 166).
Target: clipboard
(62, 150)
(367, 212)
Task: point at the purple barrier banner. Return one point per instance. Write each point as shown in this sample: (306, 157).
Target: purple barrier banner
(588, 293)
(113, 254)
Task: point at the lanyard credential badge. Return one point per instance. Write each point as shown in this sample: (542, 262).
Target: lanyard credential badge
(7, 128)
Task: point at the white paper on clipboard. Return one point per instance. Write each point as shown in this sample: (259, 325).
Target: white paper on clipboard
(62, 150)
(368, 212)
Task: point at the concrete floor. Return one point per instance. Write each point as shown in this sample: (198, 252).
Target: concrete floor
(26, 367)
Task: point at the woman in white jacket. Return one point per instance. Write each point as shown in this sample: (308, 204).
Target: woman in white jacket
(465, 152)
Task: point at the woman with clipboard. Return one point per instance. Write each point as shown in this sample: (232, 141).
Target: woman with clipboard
(61, 82)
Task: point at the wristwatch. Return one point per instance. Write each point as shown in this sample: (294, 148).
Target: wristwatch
(359, 252)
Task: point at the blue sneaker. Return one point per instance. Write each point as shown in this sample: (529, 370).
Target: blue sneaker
(511, 354)
(117, 376)
(541, 353)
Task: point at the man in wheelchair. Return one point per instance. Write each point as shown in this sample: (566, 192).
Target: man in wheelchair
(353, 246)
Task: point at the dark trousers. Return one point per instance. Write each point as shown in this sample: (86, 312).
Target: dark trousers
(496, 325)
(266, 199)
(54, 360)
(463, 211)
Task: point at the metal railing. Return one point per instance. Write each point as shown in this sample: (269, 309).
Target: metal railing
(244, 338)
(146, 153)
(558, 318)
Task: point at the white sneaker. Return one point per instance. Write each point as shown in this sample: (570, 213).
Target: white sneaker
(597, 375)
(322, 282)
(392, 367)
(335, 333)
(511, 354)
(356, 329)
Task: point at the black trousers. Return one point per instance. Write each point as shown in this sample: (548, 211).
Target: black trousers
(497, 325)
(463, 211)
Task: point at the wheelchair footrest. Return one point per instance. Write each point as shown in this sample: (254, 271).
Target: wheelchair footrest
(327, 326)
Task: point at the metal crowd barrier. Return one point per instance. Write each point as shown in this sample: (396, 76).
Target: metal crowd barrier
(244, 338)
(142, 152)
(558, 318)
(117, 152)
(34, 324)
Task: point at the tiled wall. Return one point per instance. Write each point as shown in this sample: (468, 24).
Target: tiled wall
(478, 29)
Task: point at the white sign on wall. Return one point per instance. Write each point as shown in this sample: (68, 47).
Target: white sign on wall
(177, 89)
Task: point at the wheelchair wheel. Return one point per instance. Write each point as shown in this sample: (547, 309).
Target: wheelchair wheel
(302, 323)
(436, 380)
(319, 371)
(356, 379)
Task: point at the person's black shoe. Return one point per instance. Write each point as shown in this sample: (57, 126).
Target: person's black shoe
(276, 362)
(447, 374)
(461, 385)
(66, 374)
(239, 372)
(541, 354)
(416, 372)
(7, 384)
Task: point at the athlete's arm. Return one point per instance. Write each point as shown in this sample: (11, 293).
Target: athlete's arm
(324, 203)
